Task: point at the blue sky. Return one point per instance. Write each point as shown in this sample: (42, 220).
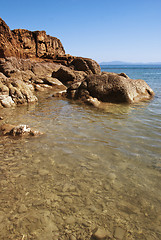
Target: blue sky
(105, 30)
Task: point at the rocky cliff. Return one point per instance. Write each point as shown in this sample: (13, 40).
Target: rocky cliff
(34, 61)
(23, 43)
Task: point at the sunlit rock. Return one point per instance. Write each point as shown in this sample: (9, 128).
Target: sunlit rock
(100, 234)
(6, 101)
(111, 87)
(20, 130)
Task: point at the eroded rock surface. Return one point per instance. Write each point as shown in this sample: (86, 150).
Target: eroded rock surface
(27, 44)
(20, 78)
(111, 87)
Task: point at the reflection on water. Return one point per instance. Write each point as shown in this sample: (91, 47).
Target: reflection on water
(92, 168)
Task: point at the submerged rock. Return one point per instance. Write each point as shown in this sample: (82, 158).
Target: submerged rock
(93, 101)
(119, 233)
(20, 130)
(100, 234)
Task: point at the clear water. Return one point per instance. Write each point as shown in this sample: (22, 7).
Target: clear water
(92, 168)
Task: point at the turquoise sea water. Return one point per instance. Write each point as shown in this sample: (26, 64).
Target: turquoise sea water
(146, 117)
(91, 168)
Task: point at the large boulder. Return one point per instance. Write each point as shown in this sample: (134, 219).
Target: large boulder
(85, 64)
(65, 75)
(111, 87)
(68, 76)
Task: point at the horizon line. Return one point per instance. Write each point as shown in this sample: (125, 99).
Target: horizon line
(123, 62)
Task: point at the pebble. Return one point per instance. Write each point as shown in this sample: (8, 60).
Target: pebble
(158, 229)
(66, 187)
(62, 209)
(88, 201)
(119, 233)
(56, 236)
(43, 172)
(59, 220)
(1, 118)
(72, 237)
(69, 188)
(54, 197)
(22, 209)
(1, 216)
(4, 182)
(54, 228)
(100, 234)
(93, 208)
(70, 220)
(37, 161)
(48, 201)
(107, 187)
(68, 200)
(112, 176)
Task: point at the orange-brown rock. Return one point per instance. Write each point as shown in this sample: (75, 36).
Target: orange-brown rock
(23, 43)
(8, 44)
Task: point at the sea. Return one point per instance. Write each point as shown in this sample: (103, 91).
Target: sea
(91, 169)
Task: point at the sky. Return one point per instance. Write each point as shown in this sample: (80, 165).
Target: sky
(104, 30)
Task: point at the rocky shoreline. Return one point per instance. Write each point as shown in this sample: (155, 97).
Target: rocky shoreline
(35, 61)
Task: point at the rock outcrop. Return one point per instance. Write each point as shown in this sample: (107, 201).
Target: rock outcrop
(8, 45)
(34, 61)
(110, 87)
(23, 43)
(20, 78)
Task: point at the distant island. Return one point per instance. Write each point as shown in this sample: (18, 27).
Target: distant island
(129, 63)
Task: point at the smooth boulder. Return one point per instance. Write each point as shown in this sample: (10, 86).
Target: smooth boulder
(111, 87)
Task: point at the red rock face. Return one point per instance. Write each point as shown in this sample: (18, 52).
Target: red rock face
(26, 42)
(23, 43)
(8, 45)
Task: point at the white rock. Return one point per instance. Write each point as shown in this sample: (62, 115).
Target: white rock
(6, 101)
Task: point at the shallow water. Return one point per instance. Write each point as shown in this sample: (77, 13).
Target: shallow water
(92, 168)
